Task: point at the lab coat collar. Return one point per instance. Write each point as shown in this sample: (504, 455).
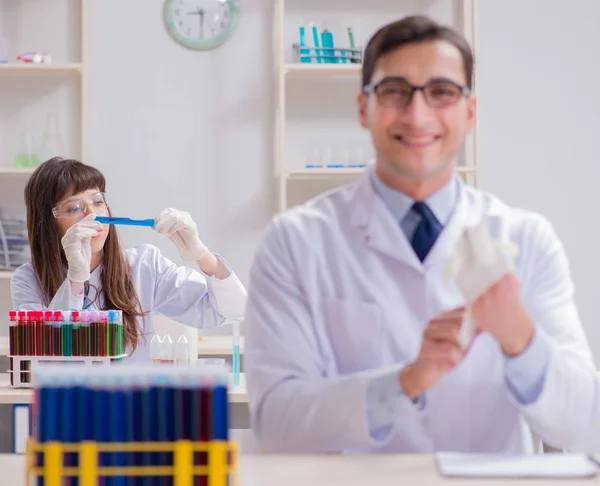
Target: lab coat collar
(383, 233)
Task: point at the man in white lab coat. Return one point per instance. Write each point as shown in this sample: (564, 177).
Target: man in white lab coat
(352, 332)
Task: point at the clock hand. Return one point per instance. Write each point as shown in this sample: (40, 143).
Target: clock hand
(201, 13)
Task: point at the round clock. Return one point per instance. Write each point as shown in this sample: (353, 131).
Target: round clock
(201, 24)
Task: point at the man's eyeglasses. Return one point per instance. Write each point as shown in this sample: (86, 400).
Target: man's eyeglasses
(398, 92)
(77, 208)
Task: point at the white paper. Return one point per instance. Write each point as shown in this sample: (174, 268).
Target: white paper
(555, 465)
(467, 330)
(477, 263)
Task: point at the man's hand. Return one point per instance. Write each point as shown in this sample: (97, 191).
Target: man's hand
(440, 353)
(501, 312)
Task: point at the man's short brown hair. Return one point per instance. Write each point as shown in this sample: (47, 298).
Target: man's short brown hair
(409, 30)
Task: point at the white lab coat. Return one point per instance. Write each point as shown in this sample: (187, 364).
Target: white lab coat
(178, 292)
(337, 296)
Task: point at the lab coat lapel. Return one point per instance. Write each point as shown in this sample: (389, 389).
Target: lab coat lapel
(468, 212)
(381, 231)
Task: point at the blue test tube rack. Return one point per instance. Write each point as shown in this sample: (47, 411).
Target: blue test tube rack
(175, 425)
(329, 55)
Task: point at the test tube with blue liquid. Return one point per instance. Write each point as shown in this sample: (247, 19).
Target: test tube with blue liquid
(304, 53)
(236, 354)
(315, 39)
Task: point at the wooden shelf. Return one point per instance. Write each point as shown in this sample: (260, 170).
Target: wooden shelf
(300, 70)
(22, 68)
(16, 170)
(347, 172)
(302, 116)
(325, 172)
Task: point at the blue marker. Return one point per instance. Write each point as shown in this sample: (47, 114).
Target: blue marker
(125, 221)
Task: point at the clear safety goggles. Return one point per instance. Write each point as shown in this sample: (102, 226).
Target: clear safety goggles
(78, 208)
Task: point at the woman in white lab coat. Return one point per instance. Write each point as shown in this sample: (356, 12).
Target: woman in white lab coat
(78, 263)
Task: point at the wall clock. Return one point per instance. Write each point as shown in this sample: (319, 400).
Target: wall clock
(201, 24)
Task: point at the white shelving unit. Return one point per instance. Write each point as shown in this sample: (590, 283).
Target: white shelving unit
(19, 67)
(315, 103)
(33, 94)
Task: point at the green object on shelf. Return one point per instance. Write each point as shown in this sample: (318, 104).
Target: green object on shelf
(27, 159)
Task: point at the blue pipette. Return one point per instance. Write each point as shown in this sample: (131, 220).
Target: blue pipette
(125, 221)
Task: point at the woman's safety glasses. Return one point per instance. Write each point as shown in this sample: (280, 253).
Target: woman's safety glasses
(78, 208)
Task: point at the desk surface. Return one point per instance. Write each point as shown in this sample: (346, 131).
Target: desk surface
(218, 345)
(10, 395)
(207, 345)
(294, 470)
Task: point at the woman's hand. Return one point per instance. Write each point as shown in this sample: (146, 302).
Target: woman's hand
(180, 228)
(77, 246)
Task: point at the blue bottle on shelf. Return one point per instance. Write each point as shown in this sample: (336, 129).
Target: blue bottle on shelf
(327, 43)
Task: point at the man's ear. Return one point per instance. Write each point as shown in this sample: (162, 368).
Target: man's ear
(362, 102)
(471, 113)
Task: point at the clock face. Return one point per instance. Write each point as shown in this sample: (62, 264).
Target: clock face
(201, 24)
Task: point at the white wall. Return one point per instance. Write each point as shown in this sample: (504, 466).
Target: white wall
(539, 116)
(190, 130)
(197, 135)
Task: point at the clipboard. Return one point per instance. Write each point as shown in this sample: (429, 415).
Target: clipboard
(553, 465)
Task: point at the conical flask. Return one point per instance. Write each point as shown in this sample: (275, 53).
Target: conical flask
(52, 144)
(27, 155)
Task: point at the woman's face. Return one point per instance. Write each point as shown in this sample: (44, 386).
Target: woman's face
(73, 209)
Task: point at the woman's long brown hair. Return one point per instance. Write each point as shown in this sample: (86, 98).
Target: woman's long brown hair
(50, 183)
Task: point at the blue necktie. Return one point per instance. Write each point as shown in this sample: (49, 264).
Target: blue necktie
(427, 231)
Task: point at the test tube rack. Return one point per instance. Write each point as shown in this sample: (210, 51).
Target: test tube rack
(327, 55)
(39, 337)
(220, 470)
(23, 367)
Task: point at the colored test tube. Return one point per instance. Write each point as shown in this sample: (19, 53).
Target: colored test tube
(57, 328)
(65, 333)
(21, 330)
(204, 427)
(236, 353)
(112, 332)
(75, 334)
(102, 332)
(69, 329)
(39, 322)
(37, 329)
(12, 316)
(47, 348)
(94, 349)
(117, 413)
(30, 334)
(84, 316)
(120, 332)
